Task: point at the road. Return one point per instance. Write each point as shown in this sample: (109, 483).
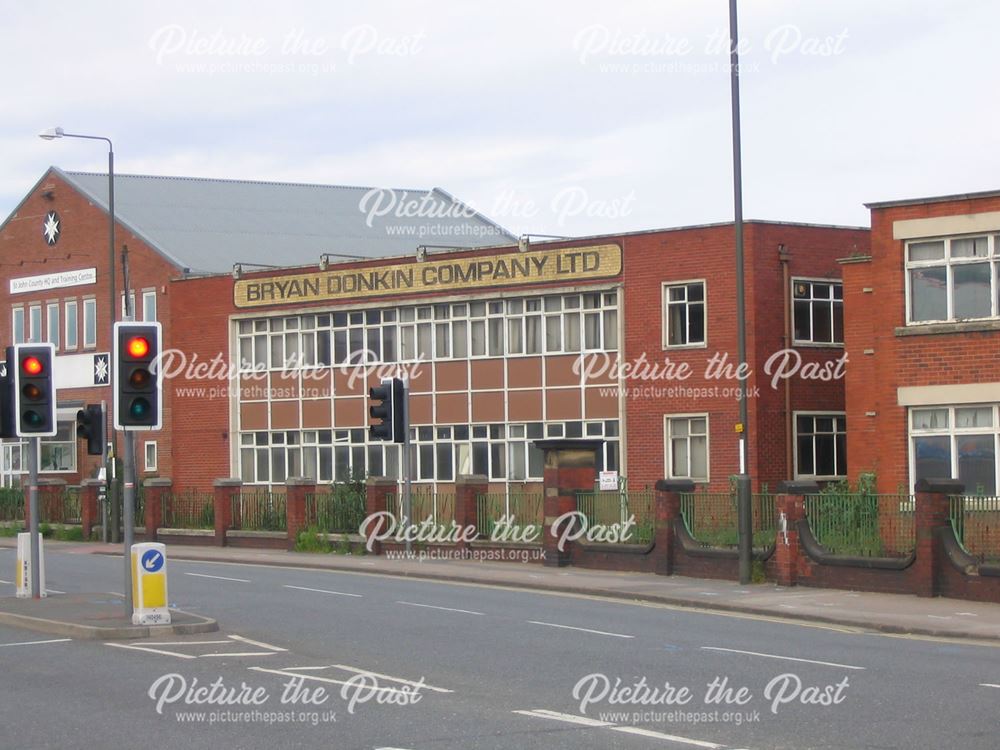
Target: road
(428, 665)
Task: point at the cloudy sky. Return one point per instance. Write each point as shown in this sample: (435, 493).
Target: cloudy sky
(566, 118)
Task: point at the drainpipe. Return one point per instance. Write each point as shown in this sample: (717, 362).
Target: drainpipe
(784, 257)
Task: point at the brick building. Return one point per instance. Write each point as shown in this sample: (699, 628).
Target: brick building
(923, 337)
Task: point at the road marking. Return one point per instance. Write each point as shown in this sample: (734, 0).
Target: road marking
(938, 617)
(390, 677)
(541, 713)
(9, 583)
(446, 609)
(54, 591)
(185, 643)
(239, 653)
(669, 737)
(967, 614)
(151, 650)
(219, 578)
(988, 684)
(321, 591)
(257, 643)
(283, 673)
(777, 656)
(582, 630)
(35, 643)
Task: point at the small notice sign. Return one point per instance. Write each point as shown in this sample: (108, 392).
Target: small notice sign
(608, 480)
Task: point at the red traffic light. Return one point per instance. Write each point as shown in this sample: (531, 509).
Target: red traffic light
(138, 347)
(32, 365)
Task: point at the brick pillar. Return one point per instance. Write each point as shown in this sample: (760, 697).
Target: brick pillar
(88, 505)
(787, 551)
(570, 466)
(50, 500)
(376, 490)
(223, 506)
(932, 511)
(668, 514)
(157, 492)
(296, 489)
(468, 488)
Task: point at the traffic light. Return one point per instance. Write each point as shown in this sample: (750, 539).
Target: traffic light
(389, 410)
(138, 383)
(32, 391)
(90, 427)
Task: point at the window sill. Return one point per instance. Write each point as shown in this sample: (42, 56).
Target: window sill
(817, 345)
(931, 329)
(684, 347)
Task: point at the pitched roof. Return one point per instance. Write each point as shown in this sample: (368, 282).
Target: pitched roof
(208, 225)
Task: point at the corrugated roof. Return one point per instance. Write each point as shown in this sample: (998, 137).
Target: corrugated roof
(207, 225)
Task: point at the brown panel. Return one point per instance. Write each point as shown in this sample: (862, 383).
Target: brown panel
(253, 387)
(452, 408)
(316, 414)
(451, 376)
(284, 415)
(524, 372)
(487, 407)
(421, 410)
(563, 403)
(349, 412)
(487, 373)
(317, 383)
(253, 416)
(525, 406)
(421, 377)
(601, 366)
(601, 405)
(285, 385)
(559, 370)
(342, 378)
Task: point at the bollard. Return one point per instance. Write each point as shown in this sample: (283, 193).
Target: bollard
(23, 576)
(149, 584)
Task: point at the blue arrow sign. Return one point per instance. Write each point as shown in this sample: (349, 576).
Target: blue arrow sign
(152, 560)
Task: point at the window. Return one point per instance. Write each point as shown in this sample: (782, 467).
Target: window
(35, 324)
(17, 322)
(52, 322)
(684, 314)
(687, 447)
(149, 451)
(89, 323)
(131, 299)
(820, 446)
(71, 324)
(818, 312)
(58, 453)
(149, 305)
(954, 278)
(956, 441)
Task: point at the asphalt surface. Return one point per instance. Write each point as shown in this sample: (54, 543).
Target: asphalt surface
(501, 668)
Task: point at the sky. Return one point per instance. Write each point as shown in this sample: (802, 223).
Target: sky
(561, 118)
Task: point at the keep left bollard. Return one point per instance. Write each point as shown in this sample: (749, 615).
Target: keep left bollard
(23, 575)
(149, 584)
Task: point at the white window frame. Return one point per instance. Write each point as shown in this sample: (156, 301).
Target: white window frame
(992, 258)
(147, 295)
(833, 328)
(149, 466)
(795, 444)
(71, 442)
(72, 342)
(35, 331)
(52, 316)
(17, 328)
(89, 303)
(665, 312)
(953, 433)
(668, 454)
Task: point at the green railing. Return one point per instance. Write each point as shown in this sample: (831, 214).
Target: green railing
(712, 518)
(189, 509)
(140, 506)
(861, 524)
(976, 520)
(526, 510)
(259, 511)
(613, 507)
(335, 512)
(11, 504)
(437, 506)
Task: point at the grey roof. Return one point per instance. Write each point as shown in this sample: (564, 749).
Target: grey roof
(933, 199)
(208, 225)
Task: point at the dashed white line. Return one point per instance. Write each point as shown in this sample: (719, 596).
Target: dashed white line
(256, 643)
(446, 609)
(400, 680)
(151, 650)
(54, 591)
(542, 713)
(778, 656)
(36, 643)
(988, 684)
(321, 591)
(218, 578)
(238, 653)
(329, 680)
(582, 630)
(669, 737)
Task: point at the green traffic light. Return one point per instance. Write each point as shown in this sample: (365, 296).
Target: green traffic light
(139, 409)
(32, 418)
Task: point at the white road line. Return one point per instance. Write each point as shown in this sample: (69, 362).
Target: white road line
(185, 643)
(669, 737)
(446, 609)
(582, 630)
(785, 658)
(321, 591)
(239, 653)
(54, 591)
(988, 684)
(283, 673)
(151, 650)
(423, 685)
(257, 643)
(938, 617)
(9, 583)
(541, 713)
(35, 643)
(219, 578)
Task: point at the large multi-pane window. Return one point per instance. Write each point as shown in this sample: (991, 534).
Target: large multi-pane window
(686, 437)
(818, 312)
(956, 441)
(820, 446)
(684, 314)
(953, 278)
(58, 453)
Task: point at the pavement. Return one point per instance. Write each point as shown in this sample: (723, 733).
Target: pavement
(887, 613)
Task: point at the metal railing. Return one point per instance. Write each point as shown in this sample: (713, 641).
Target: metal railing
(336, 512)
(620, 507)
(712, 518)
(189, 509)
(63, 507)
(439, 507)
(861, 524)
(976, 521)
(259, 511)
(526, 511)
(11, 504)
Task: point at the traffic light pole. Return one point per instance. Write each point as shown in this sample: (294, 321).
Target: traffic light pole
(407, 507)
(129, 516)
(36, 587)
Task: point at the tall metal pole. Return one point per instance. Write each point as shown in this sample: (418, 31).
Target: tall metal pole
(128, 502)
(111, 490)
(36, 588)
(407, 508)
(743, 498)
